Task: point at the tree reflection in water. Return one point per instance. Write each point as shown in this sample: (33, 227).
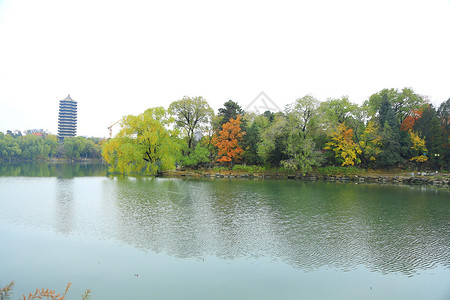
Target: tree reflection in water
(308, 225)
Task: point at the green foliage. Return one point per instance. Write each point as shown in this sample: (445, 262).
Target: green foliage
(251, 140)
(302, 123)
(191, 115)
(273, 141)
(230, 111)
(390, 133)
(91, 149)
(9, 148)
(79, 147)
(302, 156)
(390, 152)
(430, 129)
(144, 145)
(74, 146)
(249, 169)
(370, 144)
(199, 156)
(402, 102)
(51, 141)
(14, 134)
(443, 114)
(334, 111)
(219, 168)
(293, 139)
(332, 170)
(32, 147)
(444, 118)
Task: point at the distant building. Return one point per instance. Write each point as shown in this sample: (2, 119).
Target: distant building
(67, 120)
(37, 132)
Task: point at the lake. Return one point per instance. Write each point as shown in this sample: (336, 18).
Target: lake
(169, 238)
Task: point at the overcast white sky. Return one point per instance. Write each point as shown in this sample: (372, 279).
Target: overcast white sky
(121, 57)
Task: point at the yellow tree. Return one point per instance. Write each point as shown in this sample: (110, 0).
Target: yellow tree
(143, 144)
(227, 140)
(418, 147)
(345, 149)
(370, 144)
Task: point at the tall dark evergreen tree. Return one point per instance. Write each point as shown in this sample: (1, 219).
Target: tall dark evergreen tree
(444, 118)
(390, 132)
(250, 145)
(269, 115)
(231, 110)
(430, 129)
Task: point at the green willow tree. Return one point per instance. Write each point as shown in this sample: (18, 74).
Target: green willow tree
(144, 144)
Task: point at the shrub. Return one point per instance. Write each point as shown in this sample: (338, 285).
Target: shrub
(219, 169)
(332, 170)
(248, 169)
(199, 156)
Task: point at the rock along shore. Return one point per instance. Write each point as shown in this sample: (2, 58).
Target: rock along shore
(433, 179)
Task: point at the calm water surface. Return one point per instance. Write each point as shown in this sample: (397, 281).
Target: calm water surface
(146, 238)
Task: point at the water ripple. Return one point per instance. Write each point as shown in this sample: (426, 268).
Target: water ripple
(387, 229)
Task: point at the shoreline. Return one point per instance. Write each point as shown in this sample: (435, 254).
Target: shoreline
(420, 178)
(441, 180)
(57, 161)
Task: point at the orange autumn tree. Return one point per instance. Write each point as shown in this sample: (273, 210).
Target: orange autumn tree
(409, 121)
(227, 141)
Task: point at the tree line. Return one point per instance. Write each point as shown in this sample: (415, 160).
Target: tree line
(15, 146)
(393, 128)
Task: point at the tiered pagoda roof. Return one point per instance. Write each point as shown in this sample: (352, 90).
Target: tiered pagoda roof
(67, 120)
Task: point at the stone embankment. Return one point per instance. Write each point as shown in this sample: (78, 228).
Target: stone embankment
(441, 180)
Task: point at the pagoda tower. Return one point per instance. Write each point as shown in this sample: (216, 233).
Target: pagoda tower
(67, 120)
